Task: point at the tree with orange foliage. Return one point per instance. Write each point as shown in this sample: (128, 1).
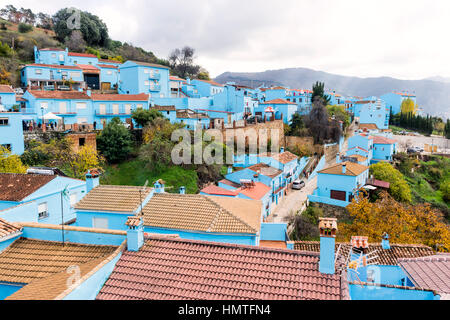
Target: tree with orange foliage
(418, 224)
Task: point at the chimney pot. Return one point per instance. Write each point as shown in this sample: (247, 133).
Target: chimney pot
(344, 168)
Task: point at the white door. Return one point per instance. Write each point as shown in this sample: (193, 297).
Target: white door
(103, 109)
(100, 223)
(115, 109)
(81, 105)
(62, 107)
(128, 108)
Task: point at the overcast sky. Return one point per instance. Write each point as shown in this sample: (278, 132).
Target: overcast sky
(406, 39)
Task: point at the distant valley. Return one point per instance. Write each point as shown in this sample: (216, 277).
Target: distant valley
(433, 94)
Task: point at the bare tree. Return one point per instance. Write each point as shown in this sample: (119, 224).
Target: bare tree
(182, 62)
(76, 42)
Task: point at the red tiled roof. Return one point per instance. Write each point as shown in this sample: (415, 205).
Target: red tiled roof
(88, 68)
(256, 192)
(285, 157)
(119, 97)
(107, 66)
(230, 183)
(383, 140)
(429, 272)
(358, 148)
(379, 183)
(278, 101)
(175, 78)
(6, 89)
(16, 187)
(174, 269)
(52, 66)
(87, 55)
(215, 190)
(211, 82)
(368, 126)
(110, 61)
(77, 95)
(51, 49)
(387, 257)
(7, 228)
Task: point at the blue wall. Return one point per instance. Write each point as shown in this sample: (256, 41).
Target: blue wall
(8, 289)
(358, 292)
(12, 133)
(274, 231)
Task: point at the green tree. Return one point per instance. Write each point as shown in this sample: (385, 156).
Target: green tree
(319, 93)
(399, 188)
(144, 117)
(94, 30)
(445, 189)
(24, 28)
(10, 163)
(115, 141)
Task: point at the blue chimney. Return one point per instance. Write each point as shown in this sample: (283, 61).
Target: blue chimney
(183, 190)
(282, 150)
(327, 228)
(159, 186)
(230, 170)
(92, 179)
(385, 242)
(135, 233)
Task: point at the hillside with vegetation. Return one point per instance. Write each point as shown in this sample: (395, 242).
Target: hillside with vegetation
(22, 29)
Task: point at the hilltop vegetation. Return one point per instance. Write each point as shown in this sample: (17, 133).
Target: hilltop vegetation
(21, 30)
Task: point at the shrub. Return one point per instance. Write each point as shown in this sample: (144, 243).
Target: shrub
(24, 28)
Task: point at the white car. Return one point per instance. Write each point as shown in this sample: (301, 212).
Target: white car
(298, 185)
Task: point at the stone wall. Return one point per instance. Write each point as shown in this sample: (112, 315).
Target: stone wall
(259, 128)
(79, 139)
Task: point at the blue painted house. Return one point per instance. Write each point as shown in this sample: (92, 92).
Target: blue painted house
(189, 216)
(383, 149)
(362, 142)
(7, 96)
(142, 77)
(394, 100)
(40, 262)
(108, 106)
(37, 198)
(207, 88)
(73, 107)
(338, 184)
(282, 109)
(375, 113)
(11, 132)
(52, 77)
(54, 56)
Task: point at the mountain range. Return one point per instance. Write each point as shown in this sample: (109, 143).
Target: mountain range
(433, 94)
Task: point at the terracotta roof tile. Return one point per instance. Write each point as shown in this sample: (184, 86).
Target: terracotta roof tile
(215, 190)
(368, 126)
(230, 183)
(119, 97)
(164, 108)
(211, 82)
(76, 95)
(285, 157)
(27, 260)
(86, 55)
(353, 169)
(7, 228)
(203, 213)
(383, 140)
(6, 89)
(256, 192)
(358, 157)
(278, 101)
(16, 187)
(185, 269)
(429, 272)
(52, 66)
(113, 199)
(385, 257)
(266, 170)
(107, 66)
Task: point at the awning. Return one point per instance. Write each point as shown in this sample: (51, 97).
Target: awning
(369, 188)
(269, 110)
(50, 116)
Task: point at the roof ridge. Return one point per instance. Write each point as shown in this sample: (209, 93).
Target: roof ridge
(223, 210)
(231, 245)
